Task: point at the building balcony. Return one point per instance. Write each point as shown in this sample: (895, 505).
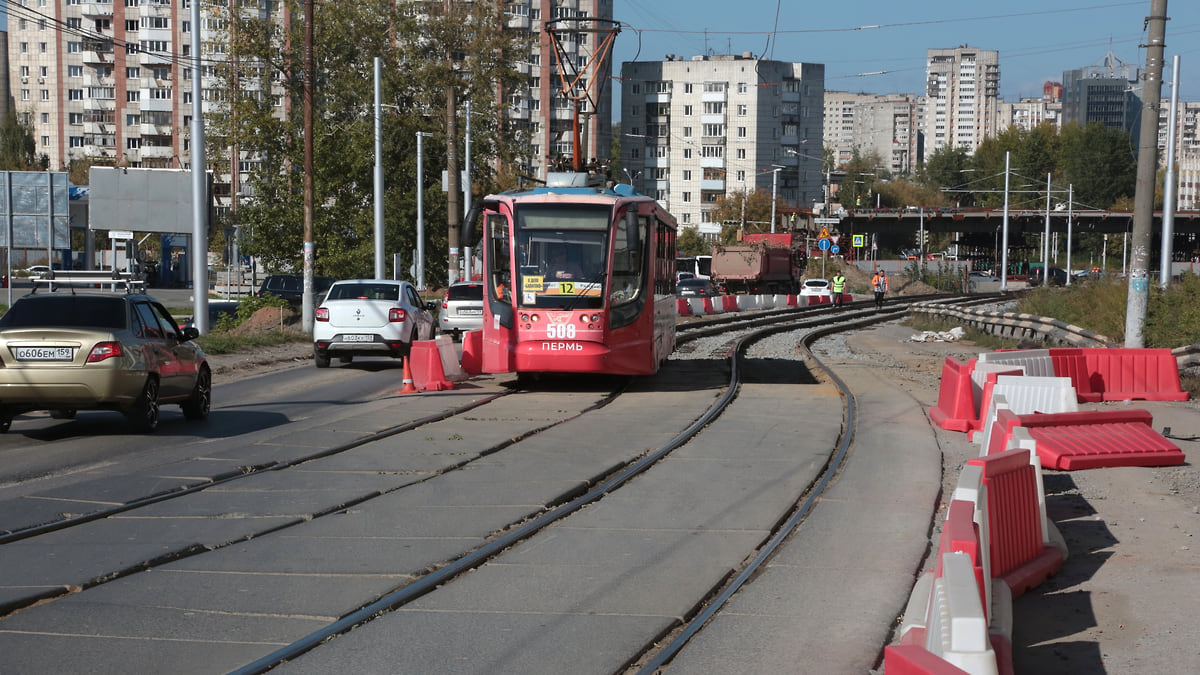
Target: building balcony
(658, 97)
(155, 129)
(94, 80)
(712, 185)
(96, 9)
(97, 57)
(712, 162)
(98, 128)
(157, 152)
(518, 113)
(712, 119)
(156, 58)
(157, 104)
(517, 21)
(712, 140)
(713, 96)
(99, 104)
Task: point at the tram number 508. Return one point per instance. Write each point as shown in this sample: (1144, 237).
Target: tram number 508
(561, 331)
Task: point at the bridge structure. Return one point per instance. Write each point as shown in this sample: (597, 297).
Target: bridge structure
(981, 229)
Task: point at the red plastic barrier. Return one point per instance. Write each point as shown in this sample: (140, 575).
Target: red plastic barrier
(708, 306)
(916, 660)
(428, 373)
(682, 308)
(1093, 439)
(793, 300)
(472, 352)
(1015, 522)
(955, 409)
(1071, 363)
(819, 300)
(1124, 374)
(729, 303)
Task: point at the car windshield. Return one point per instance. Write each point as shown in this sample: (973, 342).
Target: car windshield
(66, 311)
(364, 291)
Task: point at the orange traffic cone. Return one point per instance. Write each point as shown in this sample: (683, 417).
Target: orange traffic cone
(409, 387)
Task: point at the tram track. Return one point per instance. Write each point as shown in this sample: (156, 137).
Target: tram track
(503, 538)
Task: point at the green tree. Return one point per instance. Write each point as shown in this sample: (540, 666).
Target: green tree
(347, 37)
(18, 149)
(690, 242)
(1100, 162)
(729, 209)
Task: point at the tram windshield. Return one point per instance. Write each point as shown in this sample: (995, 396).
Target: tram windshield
(562, 255)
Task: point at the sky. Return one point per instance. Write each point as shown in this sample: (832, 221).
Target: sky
(878, 46)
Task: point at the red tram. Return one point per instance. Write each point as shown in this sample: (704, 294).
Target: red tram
(580, 278)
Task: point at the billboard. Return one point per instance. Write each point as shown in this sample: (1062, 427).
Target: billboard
(34, 206)
(141, 200)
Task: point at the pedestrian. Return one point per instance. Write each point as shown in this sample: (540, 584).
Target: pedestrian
(839, 285)
(879, 284)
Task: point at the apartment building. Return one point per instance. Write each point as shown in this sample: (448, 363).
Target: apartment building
(695, 130)
(963, 90)
(1029, 113)
(1109, 92)
(103, 80)
(873, 125)
(540, 108)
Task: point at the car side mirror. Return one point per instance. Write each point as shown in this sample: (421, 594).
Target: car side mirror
(189, 333)
(430, 305)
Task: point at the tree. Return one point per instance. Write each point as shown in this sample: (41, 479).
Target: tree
(347, 37)
(689, 242)
(18, 149)
(1100, 162)
(753, 205)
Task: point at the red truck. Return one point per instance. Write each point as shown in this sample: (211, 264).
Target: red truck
(764, 263)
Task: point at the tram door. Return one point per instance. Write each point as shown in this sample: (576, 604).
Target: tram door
(499, 328)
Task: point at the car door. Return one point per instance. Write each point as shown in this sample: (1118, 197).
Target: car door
(422, 318)
(184, 355)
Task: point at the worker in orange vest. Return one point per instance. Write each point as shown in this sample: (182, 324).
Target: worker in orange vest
(879, 284)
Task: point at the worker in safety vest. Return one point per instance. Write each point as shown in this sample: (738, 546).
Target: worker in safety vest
(879, 284)
(839, 285)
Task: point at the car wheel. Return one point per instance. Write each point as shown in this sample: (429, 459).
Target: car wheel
(144, 413)
(65, 414)
(197, 405)
(5, 424)
(322, 360)
(346, 359)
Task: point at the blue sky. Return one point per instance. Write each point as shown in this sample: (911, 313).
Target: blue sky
(1037, 40)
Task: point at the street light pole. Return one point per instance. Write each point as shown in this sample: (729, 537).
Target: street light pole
(419, 263)
(378, 172)
(774, 186)
(1004, 224)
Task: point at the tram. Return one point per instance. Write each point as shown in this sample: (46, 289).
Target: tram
(580, 278)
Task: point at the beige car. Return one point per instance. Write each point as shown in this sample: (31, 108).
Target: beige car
(66, 350)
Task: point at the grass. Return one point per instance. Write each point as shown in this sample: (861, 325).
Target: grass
(219, 342)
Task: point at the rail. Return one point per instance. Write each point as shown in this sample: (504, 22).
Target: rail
(1017, 326)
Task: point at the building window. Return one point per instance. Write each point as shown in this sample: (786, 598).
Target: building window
(741, 153)
(687, 175)
(133, 96)
(687, 110)
(742, 109)
(741, 176)
(687, 153)
(24, 94)
(45, 141)
(76, 141)
(133, 143)
(686, 197)
(45, 118)
(74, 94)
(74, 118)
(687, 132)
(45, 94)
(24, 71)
(742, 88)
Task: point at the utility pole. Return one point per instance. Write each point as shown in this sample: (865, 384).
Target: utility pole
(306, 314)
(1147, 165)
(453, 215)
(1169, 183)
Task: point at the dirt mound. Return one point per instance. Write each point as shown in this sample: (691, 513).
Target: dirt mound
(269, 319)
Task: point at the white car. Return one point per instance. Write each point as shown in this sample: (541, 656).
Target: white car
(370, 317)
(816, 287)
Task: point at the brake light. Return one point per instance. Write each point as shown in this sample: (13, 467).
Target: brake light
(396, 314)
(445, 305)
(103, 351)
(322, 314)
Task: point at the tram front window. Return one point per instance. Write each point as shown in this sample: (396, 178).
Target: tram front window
(562, 256)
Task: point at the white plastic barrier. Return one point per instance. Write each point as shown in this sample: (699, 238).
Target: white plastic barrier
(766, 301)
(1026, 395)
(747, 303)
(1037, 362)
(697, 306)
(451, 367)
(956, 627)
(979, 377)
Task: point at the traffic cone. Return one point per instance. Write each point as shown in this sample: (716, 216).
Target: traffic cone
(409, 387)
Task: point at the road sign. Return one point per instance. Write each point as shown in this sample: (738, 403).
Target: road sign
(120, 234)
(824, 233)
(827, 221)
(835, 237)
(823, 244)
(857, 240)
(834, 250)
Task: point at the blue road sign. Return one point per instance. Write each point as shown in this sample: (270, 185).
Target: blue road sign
(834, 250)
(823, 244)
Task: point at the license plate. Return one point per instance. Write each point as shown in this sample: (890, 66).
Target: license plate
(44, 353)
(470, 312)
(358, 338)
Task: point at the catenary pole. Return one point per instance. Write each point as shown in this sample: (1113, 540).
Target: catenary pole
(378, 171)
(199, 186)
(1147, 166)
(1169, 184)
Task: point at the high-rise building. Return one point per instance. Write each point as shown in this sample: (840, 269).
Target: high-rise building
(696, 130)
(886, 127)
(1109, 92)
(963, 89)
(541, 108)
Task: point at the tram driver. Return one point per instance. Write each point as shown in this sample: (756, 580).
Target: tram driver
(559, 267)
